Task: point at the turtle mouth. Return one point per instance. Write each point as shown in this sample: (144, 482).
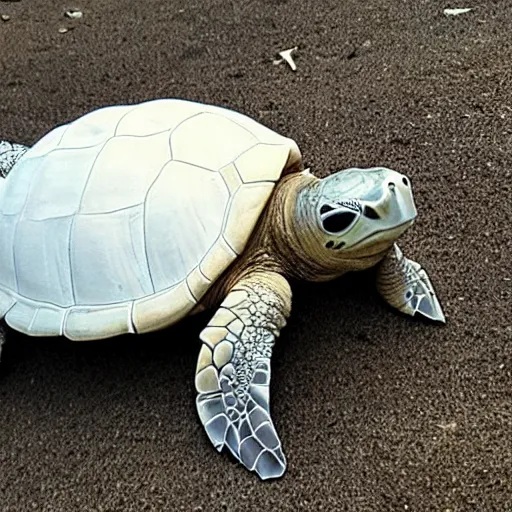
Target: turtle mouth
(387, 236)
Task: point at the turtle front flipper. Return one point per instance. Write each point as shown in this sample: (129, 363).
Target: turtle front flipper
(405, 285)
(233, 372)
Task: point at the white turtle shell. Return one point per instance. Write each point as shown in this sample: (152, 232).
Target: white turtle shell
(121, 220)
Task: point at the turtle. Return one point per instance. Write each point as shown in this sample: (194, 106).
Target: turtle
(132, 217)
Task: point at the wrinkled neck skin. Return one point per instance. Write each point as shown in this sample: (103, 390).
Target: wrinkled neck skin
(287, 241)
(300, 245)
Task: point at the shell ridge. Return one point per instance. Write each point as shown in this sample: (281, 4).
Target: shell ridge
(226, 212)
(46, 218)
(10, 307)
(132, 329)
(206, 253)
(89, 175)
(195, 165)
(65, 320)
(31, 324)
(121, 119)
(203, 274)
(16, 229)
(235, 121)
(69, 148)
(73, 222)
(92, 214)
(66, 128)
(179, 124)
(238, 172)
(144, 221)
(229, 245)
(190, 290)
(245, 151)
(134, 136)
(134, 252)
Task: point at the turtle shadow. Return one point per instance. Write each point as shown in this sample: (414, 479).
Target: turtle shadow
(171, 350)
(338, 313)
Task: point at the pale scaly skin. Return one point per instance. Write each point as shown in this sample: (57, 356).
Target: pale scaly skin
(405, 285)
(233, 371)
(10, 153)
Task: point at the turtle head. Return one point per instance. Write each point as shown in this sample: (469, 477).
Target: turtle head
(354, 217)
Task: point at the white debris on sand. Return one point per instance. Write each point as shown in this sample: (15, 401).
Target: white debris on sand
(74, 14)
(286, 56)
(456, 12)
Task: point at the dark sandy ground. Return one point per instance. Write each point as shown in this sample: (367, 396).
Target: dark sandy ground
(376, 412)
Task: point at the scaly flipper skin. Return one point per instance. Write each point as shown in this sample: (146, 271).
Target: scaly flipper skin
(233, 372)
(405, 285)
(10, 153)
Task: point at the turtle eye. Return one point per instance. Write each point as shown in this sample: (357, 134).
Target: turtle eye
(339, 221)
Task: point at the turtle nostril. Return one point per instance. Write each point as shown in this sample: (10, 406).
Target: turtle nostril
(329, 244)
(325, 208)
(391, 186)
(370, 213)
(405, 181)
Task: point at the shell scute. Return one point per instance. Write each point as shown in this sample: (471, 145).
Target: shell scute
(202, 212)
(93, 128)
(244, 212)
(130, 172)
(119, 271)
(154, 117)
(210, 140)
(49, 240)
(62, 178)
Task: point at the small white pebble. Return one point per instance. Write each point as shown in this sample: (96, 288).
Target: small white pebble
(456, 12)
